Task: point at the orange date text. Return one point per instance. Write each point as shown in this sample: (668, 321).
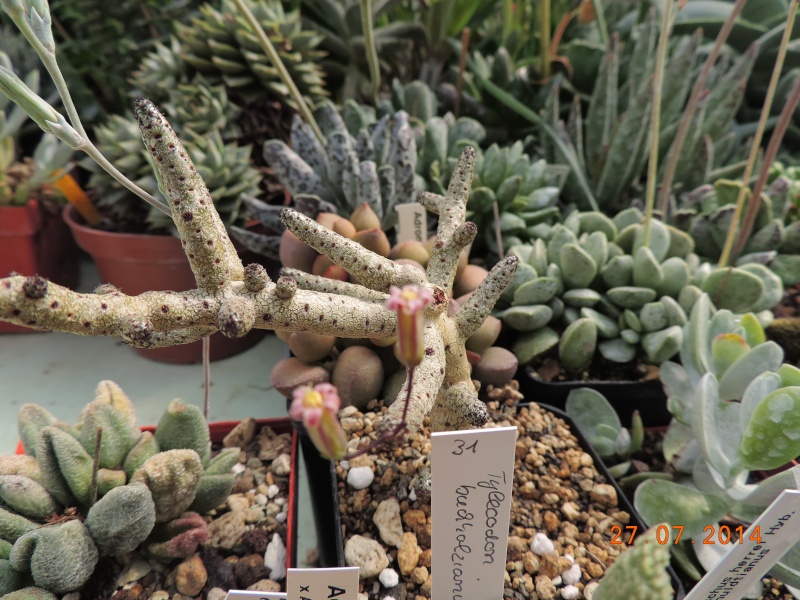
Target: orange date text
(719, 534)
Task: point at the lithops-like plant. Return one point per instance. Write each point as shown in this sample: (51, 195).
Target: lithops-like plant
(590, 286)
(105, 488)
(736, 409)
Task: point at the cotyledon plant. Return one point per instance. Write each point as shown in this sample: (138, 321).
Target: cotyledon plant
(736, 409)
(135, 489)
(590, 285)
(233, 299)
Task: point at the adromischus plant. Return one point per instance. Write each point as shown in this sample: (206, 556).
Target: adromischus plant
(736, 409)
(234, 299)
(134, 488)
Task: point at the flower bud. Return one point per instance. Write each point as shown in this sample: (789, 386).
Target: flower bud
(318, 409)
(409, 304)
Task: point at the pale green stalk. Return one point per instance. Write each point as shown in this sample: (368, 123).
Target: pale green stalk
(601, 20)
(756, 145)
(691, 107)
(544, 37)
(283, 73)
(48, 58)
(655, 121)
(368, 31)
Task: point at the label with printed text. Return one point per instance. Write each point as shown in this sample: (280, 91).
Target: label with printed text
(471, 477)
(762, 545)
(248, 595)
(319, 584)
(412, 222)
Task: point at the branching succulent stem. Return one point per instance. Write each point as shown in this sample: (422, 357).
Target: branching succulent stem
(691, 107)
(744, 191)
(283, 73)
(368, 31)
(655, 121)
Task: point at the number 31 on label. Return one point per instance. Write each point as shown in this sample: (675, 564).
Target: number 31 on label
(462, 447)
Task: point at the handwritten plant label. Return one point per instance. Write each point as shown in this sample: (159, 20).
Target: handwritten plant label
(471, 476)
(762, 545)
(413, 222)
(319, 584)
(248, 595)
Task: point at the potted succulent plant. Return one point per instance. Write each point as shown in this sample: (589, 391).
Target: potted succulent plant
(142, 491)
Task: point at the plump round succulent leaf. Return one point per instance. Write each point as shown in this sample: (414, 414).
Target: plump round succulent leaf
(528, 318)
(631, 296)
(647, 272)
(625, 218)
(676, 274)
(212, 491)
(726, 349)
(630, 336)
(753, 330)
(617, 350)
(538, 291)
(145, 447)
(5, 548)
(773, 287)
(60, 557)
(578, 268)
(223, 462)
(27, 497)
(20, 464)
(581, 297)
(577, 345)
(118, 436)
(618, 271)
(108, 479)
(662, 345)
(688, 296)
(789, 375)
(734, 289)
(10, 578)
(524, 274)
(66, 467)
(597, 221)
(681, 244)
(761, 387)
(653, 317)
(632, 320)
(641, 571)
(31, 420)
(673, 310)
(766, 238)
(530, 345)
(590, 409)
(772, 436)
(179, 538)
(122, 519)
(183, 426)
(787, 267)
(606, 327)
(596, 246)
(108, 392)
(12, 525)
(560, 236)
(173, 477)
(764, 357)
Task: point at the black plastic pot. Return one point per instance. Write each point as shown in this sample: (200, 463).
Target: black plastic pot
(334, 524)
(647, 397)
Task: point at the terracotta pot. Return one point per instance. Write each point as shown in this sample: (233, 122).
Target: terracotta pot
(219, 430)
(36, 242)
(137, 263)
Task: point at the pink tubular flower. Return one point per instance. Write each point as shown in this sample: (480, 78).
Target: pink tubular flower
(318, 409)
(409, 304)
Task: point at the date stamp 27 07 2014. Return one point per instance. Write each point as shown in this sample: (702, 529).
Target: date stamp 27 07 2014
(714, 534)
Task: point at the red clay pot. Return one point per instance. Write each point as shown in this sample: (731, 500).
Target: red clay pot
(137, 263)
(36, 242)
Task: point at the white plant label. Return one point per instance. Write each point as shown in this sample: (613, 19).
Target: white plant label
(322, 584)
(413, 222)
(762, 545)
(248, 595)
(471, 477)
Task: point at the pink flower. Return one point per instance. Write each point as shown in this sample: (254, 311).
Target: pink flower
(318, 409)
(409, 304)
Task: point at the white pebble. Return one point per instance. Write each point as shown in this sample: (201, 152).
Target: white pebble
(345, 464)
(570, 592)
(570, 558)
(238, 468)
(281, 517)
(389, 578)
(360, 477)
(260, 499)
(275, 558)
(541, 544)
(556, 581)
(412, 495)
(572, 575)
(273, 490)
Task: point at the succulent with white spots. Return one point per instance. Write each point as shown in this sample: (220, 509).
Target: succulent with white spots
(234, 299)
